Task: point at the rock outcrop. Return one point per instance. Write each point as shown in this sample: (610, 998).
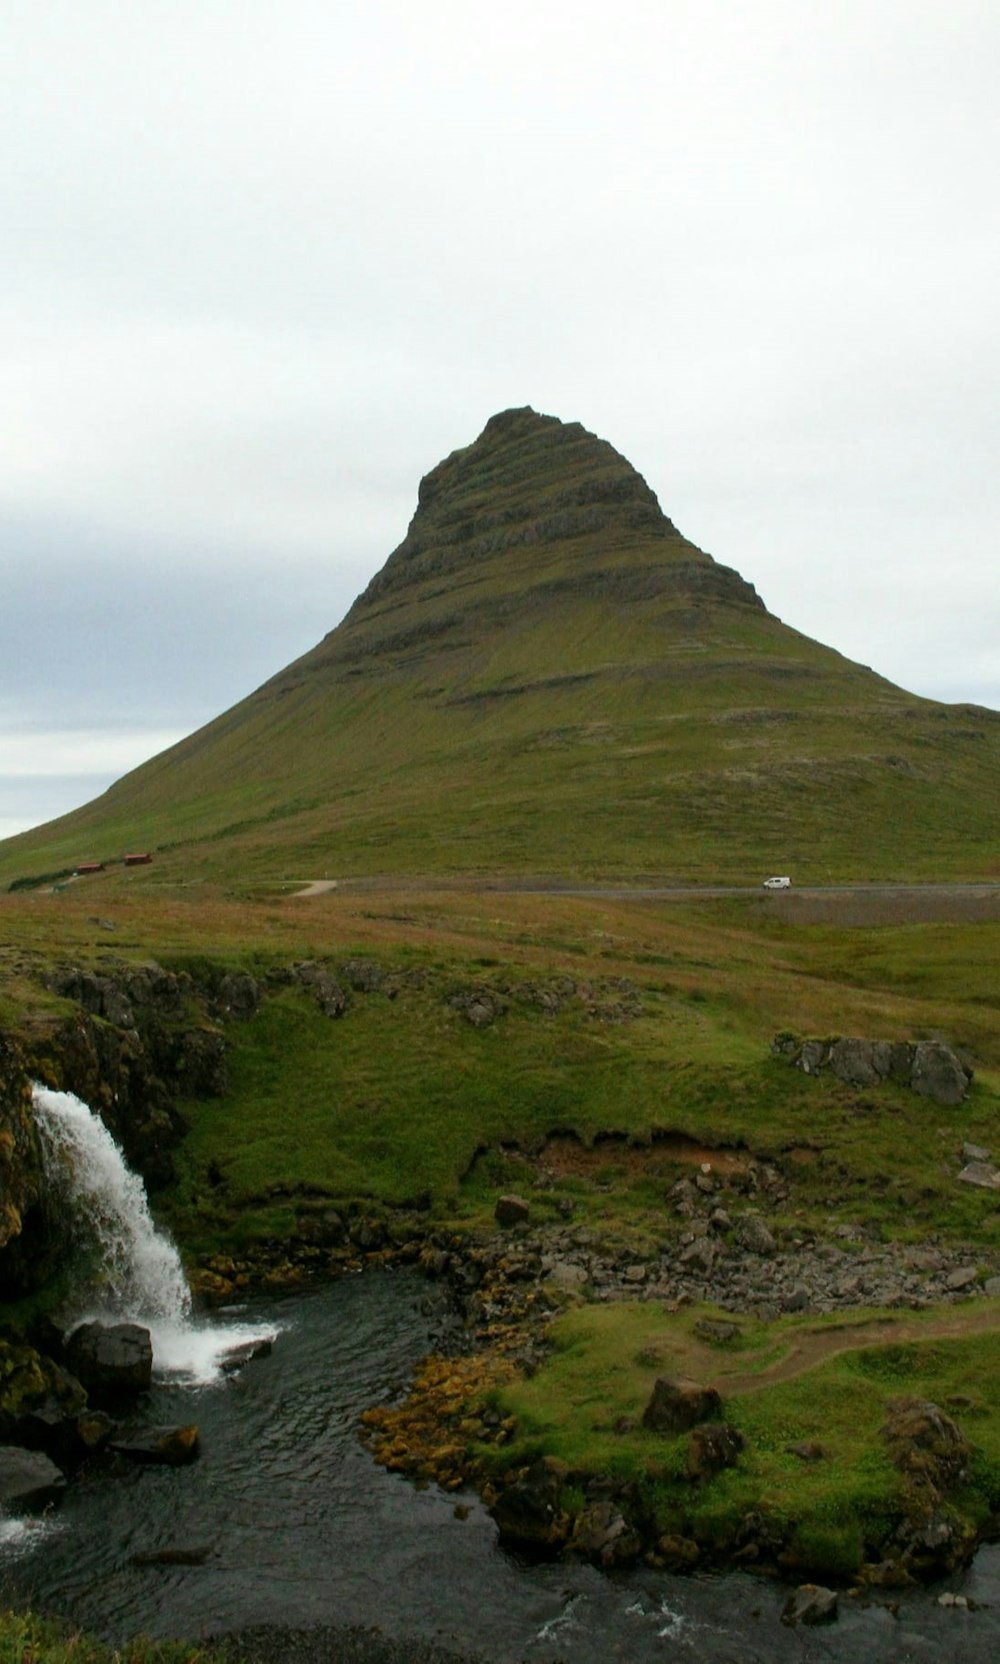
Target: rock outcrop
(529, 481)
(928, 1067)
(26, 1250)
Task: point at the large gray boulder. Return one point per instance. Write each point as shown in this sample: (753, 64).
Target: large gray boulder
(113, 1360)
(852, 1060)
(937, 1073)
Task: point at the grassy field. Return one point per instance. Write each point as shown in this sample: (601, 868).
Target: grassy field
(585, 1407)
(396, 1098)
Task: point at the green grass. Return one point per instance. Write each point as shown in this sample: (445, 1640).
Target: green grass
(26, 1638)
(395, 1099)
(584, 1405)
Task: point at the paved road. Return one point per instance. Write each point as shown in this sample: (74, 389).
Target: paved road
(547, 886)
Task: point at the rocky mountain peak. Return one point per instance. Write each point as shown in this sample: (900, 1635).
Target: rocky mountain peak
(527, 480)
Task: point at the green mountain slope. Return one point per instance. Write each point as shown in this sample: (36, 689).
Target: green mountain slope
(547, 677)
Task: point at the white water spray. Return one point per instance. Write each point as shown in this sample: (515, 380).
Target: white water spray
(134, 1270)
(139, 1269)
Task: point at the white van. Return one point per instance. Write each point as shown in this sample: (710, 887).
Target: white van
(777, 884)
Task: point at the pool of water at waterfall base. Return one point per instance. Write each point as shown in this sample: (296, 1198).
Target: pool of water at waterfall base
(305, 1532)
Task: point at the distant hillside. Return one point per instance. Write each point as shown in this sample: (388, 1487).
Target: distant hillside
(546, 676)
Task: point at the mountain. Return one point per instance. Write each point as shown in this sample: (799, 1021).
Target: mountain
(546, 676)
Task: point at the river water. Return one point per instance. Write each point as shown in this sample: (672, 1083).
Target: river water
(303, 1529)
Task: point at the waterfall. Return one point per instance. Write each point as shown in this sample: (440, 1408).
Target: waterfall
(130, 1269)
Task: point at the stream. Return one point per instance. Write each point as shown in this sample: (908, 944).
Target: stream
(304, 1531)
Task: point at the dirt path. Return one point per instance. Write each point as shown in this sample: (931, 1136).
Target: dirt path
(812, 1347)
(318, 887)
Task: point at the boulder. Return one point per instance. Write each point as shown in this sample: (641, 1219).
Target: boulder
(813, 1056)
(30, 1382)
(113, 1360)
(29, 1480)
(677, 1406)
(852, 1060)
(363, 975)
(565, 1274)
(698, 1257)
(329, 995)
(713, 1446)
(676, 1553)
(239, 995)
(810, 1604)
(976, 1152)
(512, 1210)
(528, 1511)
(245, 1352)
(753, 1235)
(925, 1445)
(605, 1538)
(718, 1330)
(982, 1174)
(66, 1433)
(937, 1073)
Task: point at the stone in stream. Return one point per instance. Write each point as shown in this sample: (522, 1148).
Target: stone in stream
(68, 1435)
(605, 1538)
(528, 1512)
(244, 1352)
(810, 1604)
(28, 1479)
(171, 1447)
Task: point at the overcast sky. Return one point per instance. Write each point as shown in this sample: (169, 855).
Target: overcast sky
(267, 261)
